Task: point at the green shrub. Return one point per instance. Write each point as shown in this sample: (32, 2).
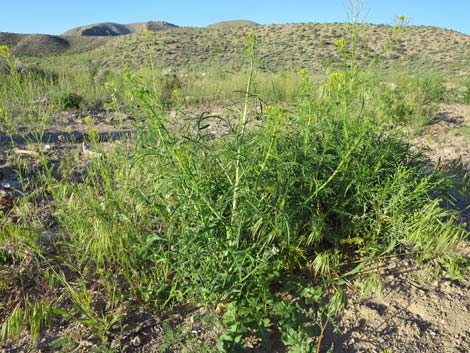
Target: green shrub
(466, 93)
(69, 100)
(253, 216)
(432, 87)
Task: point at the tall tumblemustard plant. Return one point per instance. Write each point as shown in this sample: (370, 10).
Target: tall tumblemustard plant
(354, 10)
(12, 78)
(149, 53)
(251, 43)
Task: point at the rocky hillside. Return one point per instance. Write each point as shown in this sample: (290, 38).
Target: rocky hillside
(116, 29)
(41, 45)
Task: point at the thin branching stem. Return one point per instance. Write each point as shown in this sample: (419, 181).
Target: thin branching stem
(241, 136)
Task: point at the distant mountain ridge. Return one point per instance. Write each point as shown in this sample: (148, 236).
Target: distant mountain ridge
(105, 29)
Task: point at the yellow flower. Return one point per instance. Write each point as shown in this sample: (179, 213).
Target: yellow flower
(4, 50)
(336, 77)
(340, 44)
(88, 119)
(273, 110)
(93, 134)
(402, 20)
(336, 81)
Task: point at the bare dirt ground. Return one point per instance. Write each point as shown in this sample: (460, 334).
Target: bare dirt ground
(415, 313)
(447, 137)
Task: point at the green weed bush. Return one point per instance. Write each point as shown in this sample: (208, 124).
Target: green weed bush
(69, 100)
(466, 94)
(316, 189)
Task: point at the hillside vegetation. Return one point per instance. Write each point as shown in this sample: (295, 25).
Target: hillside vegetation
(281, 47)
(41, 44)
(293, 46)
(11, 39)
(232, 23)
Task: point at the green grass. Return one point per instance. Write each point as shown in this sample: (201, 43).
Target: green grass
(263, 225)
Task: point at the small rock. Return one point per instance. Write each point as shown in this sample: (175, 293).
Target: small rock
(29, 153)
(115, 344)
(446, 284)
(136, 341)
(6, 201)
(46, 235)
(10, 184)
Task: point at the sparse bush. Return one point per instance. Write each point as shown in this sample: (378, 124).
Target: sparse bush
(171, 82)
(34, 72)
(432, 87)
(466, 93)
(69, 100)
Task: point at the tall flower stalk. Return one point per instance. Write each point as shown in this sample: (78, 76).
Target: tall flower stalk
(251, 43)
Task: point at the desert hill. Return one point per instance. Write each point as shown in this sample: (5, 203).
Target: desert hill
(293, 46)
(232, 23)
(279, 46)
(116, 29)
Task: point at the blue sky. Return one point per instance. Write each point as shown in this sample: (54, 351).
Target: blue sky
(57, 16)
